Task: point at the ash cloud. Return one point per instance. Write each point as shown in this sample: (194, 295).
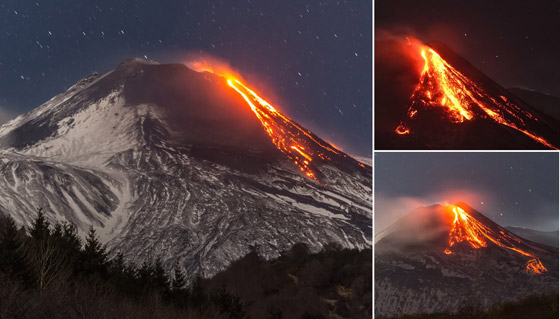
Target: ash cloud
(510, 188)
(388, 209)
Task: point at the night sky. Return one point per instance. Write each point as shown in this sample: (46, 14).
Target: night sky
(314, 57)
(516, 43)
(513, 189)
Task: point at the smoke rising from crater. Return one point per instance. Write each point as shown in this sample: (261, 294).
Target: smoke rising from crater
(512, 189)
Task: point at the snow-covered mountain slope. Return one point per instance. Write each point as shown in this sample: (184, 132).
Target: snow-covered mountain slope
(429, 261)
(164, 161)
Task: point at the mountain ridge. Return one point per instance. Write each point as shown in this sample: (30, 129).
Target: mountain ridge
(549, 238)
(421, 266)
(165, 161)
(456, 106)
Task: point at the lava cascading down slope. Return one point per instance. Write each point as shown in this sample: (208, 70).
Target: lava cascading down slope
(283, 132)
(467, 228)
(300, 145)
(441, 85)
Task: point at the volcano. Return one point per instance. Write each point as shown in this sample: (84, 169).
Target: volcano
(456, 106)
(443, 258)
(167, 162)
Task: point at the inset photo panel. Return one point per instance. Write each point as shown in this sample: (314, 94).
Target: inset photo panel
(467, 75)
(466, 234)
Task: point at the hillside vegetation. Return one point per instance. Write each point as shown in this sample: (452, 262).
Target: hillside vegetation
(48, 271)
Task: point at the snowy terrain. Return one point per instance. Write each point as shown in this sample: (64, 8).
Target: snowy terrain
(414, 275)
(150, 165)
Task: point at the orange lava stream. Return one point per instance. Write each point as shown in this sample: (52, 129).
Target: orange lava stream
(466, 228)
(295, 142)
(442, 85)
(275, 123)
(535, 266)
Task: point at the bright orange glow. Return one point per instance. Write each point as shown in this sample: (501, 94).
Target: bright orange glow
(298, 144)
(297, 149)
(441, 85)
(272, 120)
(402, 130)
(412, 113)
(466, 228)
(535, 266)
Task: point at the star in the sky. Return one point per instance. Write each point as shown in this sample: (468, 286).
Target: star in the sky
(257, 38)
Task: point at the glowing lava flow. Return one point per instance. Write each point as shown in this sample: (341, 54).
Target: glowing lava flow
(401, 129)
(297, 143)
(441, 85)
(281, 130)
(535, 266)
(466, 228)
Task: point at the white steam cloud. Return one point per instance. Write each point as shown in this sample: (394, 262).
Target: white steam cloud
(388, 209)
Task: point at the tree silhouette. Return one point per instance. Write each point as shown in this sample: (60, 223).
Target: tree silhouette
(47, 260)
(94, 256)
(12, 250)
(40, 226)
(160, 279)
(179, 278)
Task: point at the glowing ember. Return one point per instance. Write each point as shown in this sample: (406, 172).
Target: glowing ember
(297, 143)
(401, 129)
(535, 266)
(466, 228)
(441, 85)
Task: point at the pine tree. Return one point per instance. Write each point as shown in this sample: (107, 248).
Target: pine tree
(71, 240)
(40, 228)
(122, 274)
(68, 241)
(94, 255)
(144, 276)
(161, 281)
(179, 294)
(46, 257)
(12, 257)
(117, 264)
(179, 278)
(57, 231)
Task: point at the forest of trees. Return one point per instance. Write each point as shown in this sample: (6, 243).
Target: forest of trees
(48, 271)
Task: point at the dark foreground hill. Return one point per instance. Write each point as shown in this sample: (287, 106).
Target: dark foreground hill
(537, 306)
(50, 273)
